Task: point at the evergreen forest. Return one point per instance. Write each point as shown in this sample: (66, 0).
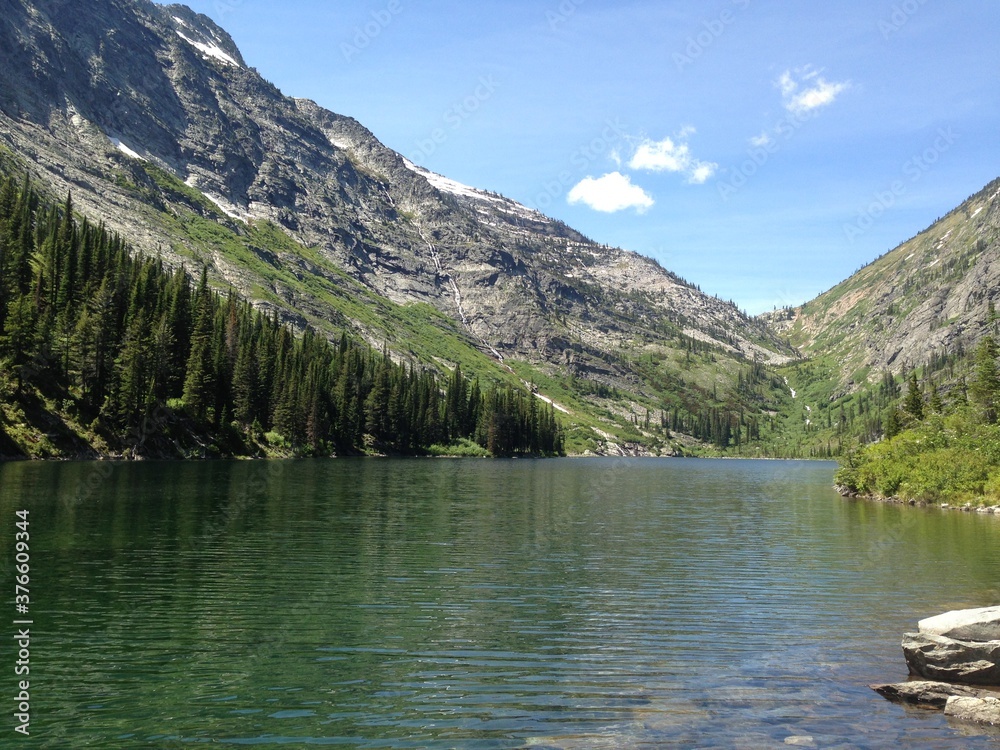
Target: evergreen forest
(119, 354)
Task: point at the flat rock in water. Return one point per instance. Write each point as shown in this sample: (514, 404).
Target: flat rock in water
(936, 657)
(924, 693)
(965, 624)
(984, 710)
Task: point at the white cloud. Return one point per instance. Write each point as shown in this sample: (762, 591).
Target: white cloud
(762, 141)
(610, 193)
(811, 91)
(671, 155)
(820, 95)
(662, 156)
(787, 84)
(702, 173)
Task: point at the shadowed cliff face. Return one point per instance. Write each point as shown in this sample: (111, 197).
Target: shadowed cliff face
(93, 95)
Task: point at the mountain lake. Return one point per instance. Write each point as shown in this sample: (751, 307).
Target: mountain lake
(435, 603)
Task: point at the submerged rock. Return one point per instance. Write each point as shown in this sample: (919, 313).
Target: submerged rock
(965, 624)
(801, 741)
(925, 693)
(982, 710)
(936, 657)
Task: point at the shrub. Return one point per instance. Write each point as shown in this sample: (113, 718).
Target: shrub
(276, 440)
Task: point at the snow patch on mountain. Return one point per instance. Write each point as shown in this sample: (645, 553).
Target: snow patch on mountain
(125, 149)
(342, 143)
(447, 185)
(552, 403)
(229, 209)
(209, 50)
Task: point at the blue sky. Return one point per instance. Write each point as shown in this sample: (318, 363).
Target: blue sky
(764, 150)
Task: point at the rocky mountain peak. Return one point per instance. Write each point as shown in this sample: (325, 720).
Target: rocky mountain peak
(202, 33)
(154, 120)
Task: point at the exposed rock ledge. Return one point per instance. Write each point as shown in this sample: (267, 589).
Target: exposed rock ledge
(981, 710)
(951, 652)
(937, 657)
(964, 624)
(925, 693)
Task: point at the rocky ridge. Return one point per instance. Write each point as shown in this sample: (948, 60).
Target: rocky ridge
(931, 295)
(97, 102)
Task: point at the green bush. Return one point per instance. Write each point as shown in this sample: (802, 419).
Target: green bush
(949, 474)
(991, 490)
(942, 459)
(462, 448)
(276, 440)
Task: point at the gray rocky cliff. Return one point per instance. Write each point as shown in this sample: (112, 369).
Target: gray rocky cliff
(158, 126)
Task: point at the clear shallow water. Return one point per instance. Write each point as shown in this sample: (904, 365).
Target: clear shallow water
(594, 603)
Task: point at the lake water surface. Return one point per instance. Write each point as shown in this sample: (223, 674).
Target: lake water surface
(384, 603)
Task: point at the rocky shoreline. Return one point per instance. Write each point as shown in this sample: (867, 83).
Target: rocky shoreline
(954, 664)
(850, 494)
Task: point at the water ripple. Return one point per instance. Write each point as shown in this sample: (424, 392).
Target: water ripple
(488, 605)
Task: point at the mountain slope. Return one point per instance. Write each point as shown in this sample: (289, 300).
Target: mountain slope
(912, 317)
(931, 296)
(150, 115)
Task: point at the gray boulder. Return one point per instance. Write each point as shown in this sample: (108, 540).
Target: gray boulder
(936, 657)
(982, 710)
(924, 693)
(965, 624)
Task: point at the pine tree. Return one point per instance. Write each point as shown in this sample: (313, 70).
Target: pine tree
(178, 313)
(937, 406)
(914, 402)
(199, 380)
(892, 424)
(126, 404)
(19, 338)
(985, 386)
(245, 384)
(377, 404)
(64, 255)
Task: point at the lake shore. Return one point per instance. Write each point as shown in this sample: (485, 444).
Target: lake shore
(848, 493)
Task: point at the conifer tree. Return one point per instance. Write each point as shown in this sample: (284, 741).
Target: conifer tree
(985, 386)
(892, 424)
(122, 335)
(245, 384)
(19, 339)
(377, 404)
(937, 406)
(914, 402)
(199, 380)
